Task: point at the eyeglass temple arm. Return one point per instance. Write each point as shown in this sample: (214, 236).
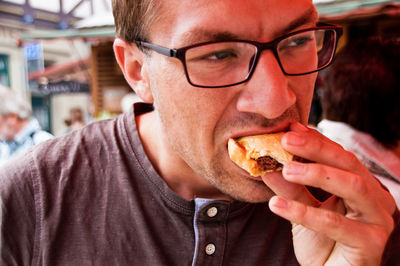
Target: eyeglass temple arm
(338, 28)
(159, 49)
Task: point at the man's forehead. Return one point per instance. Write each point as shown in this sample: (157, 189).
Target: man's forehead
(199, 33)
(251, 19)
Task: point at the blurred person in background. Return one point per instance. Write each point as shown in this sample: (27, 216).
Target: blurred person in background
(18, 129)
(361, 105)
(75, 120)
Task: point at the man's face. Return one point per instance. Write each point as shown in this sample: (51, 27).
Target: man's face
(197, 122)
(7, 127)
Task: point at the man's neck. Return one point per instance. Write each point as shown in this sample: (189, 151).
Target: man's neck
(175, 172)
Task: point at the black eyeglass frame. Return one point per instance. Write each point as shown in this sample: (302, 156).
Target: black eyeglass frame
(179, 53)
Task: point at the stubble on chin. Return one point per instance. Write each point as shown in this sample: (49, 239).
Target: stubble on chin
(235, 184)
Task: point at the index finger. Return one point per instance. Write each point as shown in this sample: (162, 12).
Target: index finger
(312, 145)
(289, 190)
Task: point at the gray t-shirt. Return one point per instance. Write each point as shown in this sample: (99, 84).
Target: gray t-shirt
(92, 197)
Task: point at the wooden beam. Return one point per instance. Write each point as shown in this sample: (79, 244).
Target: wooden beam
(79, 4)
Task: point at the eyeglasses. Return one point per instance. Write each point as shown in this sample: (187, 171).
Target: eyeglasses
(218, 64)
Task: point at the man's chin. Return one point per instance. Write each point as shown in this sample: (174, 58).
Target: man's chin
(237, 183)
(248, 190)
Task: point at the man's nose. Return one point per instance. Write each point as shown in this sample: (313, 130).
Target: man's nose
(267, 92)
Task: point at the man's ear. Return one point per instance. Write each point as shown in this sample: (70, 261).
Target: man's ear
(131, 61)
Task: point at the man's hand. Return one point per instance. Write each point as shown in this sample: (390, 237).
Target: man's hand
(352, 226)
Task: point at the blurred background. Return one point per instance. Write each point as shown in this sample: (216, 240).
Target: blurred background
(57, 54)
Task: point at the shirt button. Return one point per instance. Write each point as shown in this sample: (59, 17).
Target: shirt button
(210, 249)
(212, 212)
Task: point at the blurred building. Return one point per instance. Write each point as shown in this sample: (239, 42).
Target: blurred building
(107, 84)
(52, 73)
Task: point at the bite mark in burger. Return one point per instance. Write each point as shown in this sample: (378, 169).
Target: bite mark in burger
(259, 154)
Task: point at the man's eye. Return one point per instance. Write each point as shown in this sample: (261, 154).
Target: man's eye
(296, 42)
(219, 55)
(301, 41)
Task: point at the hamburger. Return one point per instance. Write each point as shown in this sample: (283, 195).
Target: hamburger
(259, 154)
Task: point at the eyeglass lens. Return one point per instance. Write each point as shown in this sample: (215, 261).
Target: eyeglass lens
(225, 63)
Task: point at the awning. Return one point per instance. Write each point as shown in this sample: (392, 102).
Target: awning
(88, 33)
(61, 69)
(328, 10)
(347, 9)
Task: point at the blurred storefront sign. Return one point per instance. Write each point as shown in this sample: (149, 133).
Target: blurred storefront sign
(71, 77)
(64, 86)
(33, 50)
(33, 53)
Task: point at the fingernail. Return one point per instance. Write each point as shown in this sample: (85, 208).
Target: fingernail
(294, 168)
(279, 202)
(293, 138)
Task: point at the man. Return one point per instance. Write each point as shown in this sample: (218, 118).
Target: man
(156, 185)
(19, 131)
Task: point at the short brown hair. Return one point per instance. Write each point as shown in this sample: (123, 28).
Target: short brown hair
(133, 18)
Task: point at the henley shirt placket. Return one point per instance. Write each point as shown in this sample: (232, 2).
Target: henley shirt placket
(210, 222)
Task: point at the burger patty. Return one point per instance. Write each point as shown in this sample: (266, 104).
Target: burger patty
(268, 163)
